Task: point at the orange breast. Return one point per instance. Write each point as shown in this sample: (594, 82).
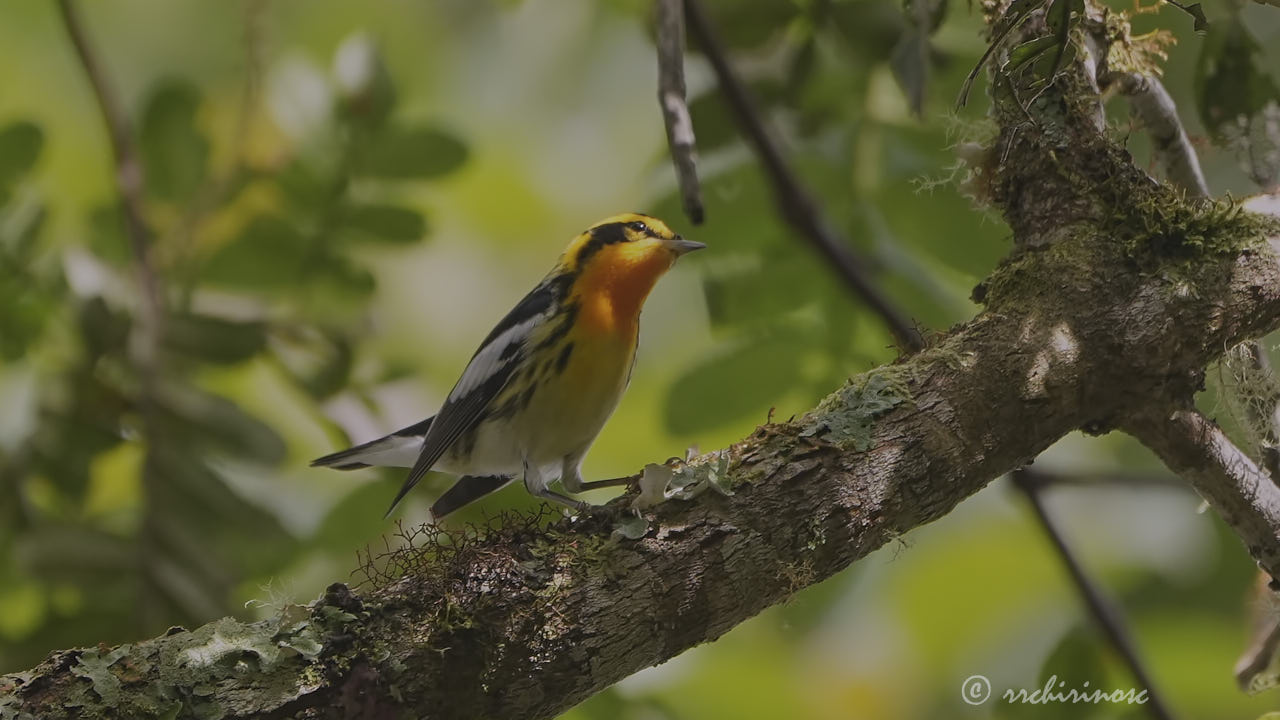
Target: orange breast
(614, 286)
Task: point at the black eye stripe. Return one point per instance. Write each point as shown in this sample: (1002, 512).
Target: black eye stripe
(614, 232)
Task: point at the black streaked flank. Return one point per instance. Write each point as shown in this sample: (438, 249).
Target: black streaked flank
(567, 317)
(526, 397)
(563, 361)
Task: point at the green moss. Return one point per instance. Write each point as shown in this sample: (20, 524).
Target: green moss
(1155, 231)
(847, 416)
(1022, 275)
(1143, 54)
(1161, 229)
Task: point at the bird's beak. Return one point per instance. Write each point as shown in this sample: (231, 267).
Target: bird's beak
(680, 246)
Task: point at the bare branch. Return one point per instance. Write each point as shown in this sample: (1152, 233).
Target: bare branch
(529, 621)
(1153, 104)
(795, 204)
(1196, 448)
(675, 110)
(145, 352)
(1255, 382)
(1104, 612)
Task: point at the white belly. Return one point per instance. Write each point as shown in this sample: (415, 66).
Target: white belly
(561, 420)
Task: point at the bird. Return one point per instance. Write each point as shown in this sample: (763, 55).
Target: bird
(544, 382)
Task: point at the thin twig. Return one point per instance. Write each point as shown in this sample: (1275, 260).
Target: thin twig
(1103, 610)
(129, 182)
(1195, 448)
(675, 110)
(146, 351)
(793, 201)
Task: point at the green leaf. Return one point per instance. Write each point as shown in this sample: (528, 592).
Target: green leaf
(1013, 17)
(870, 28)
(416, 153)
(60, 552)
(200, 419)
(208, 524)
(107, 239)
(1026, 52)
(387, 223)
(1059, 17)
(339, 282)
(1230, 83)
(910, 65)
(741, 381)
(355, 520)
(365, 86)
(319, 363)
(713, 122)
(20, 145)
(214, 340)
(103, 330)
(742, 24)
(776, 281)
(268, 254)
(1201, 23)
(305, 186)
(175, 155)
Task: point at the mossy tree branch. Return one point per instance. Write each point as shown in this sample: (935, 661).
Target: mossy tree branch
(528, 622)
(1119, 294)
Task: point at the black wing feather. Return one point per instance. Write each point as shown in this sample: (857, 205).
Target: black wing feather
(467, 489)
(461, 412)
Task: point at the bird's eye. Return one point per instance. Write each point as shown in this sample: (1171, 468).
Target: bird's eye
(640, 227)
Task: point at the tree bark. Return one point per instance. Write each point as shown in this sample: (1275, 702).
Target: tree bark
(1118, 294)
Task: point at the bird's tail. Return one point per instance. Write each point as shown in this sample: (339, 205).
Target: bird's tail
(399, 449)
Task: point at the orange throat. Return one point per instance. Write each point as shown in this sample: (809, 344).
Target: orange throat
(613, 288)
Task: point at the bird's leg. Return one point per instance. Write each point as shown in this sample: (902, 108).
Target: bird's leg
(584, 485)
(536, 484)
(571, 477)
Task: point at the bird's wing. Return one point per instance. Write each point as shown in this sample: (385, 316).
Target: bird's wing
(466, 490)
(489, 371)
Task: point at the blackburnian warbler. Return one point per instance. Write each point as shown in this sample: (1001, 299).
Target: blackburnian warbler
(540, 388)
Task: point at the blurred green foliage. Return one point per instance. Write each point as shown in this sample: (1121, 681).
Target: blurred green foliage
(298, 156)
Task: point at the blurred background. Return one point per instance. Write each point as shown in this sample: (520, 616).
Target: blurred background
(346, 196)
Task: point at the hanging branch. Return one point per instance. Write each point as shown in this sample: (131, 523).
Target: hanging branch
(1159, 115)
(675, 109)
(1104, 612)
(801, 210)
(795, 204)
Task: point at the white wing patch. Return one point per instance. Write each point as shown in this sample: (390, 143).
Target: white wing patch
(491, 358)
